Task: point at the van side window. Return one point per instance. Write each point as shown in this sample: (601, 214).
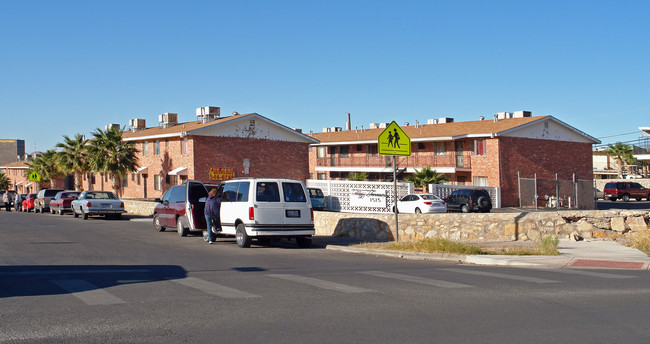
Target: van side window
(178, 195)
(242, 191)
(168, 194)
(293, 192)
(230, 189)
(267, 192)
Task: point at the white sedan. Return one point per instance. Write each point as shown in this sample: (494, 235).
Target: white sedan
(421, 203)
(97, 203)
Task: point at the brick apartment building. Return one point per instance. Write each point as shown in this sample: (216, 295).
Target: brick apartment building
(210, 149)
(482, 153)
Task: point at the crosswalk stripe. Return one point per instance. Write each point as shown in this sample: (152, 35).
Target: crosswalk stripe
(415, 279)
(321, 283)
(88, 293)
(213, 288)
(498, 275)
(586, 273)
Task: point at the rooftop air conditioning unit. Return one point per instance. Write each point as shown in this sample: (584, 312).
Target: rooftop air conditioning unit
(504, 115)
(298, 130)
(445, 120)
(383, 125)
(208, 113)
(112, 126)
(333, 129)
(137, 124)
(432, 121)
(521, 114)
(168, 119)
(373, 125)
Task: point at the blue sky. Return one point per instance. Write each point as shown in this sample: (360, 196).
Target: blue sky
(72, 66)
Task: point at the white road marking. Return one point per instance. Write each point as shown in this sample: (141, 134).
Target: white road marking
(586, 273)
(213, 288)
(505, 276)
(415, 279)
(88, 293)
(321, 283)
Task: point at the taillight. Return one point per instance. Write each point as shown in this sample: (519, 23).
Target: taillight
(312, 214)
(251, 213)
(470, 201)
(428, 203)
(88, 205)
(122, 205)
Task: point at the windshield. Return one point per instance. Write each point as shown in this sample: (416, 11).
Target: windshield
(316, 193)
(429, 197)
(100, 195)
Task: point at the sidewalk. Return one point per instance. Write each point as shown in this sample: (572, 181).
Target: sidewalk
(573, 255)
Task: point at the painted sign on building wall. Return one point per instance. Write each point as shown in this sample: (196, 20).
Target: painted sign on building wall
(367, 198)
(222, 173)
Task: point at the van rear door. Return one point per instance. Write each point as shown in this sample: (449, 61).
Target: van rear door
(296, 204)
(195, 196)
(269, 209)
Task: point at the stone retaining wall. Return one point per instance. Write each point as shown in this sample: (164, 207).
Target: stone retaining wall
(139, 207)
(609, 224)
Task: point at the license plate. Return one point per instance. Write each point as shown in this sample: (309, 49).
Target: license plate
(293, 213)
(105, 205)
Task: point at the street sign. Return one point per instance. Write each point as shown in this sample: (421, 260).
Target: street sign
(394, 141)
(34, 177)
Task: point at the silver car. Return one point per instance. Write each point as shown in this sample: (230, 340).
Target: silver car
(97, 203)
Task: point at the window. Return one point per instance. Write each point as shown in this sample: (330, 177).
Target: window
(156, 182)
(421, 145)
(173, 180)
(156, 148)
(138, 179)
(321, 176)
(343, 151)
(237, 192)
(293, 192)
(320, 152)
(267, 192)
(168, 179)
(439, 148)
(480, 181)
(125, 182)
(479, 147)
(359, 148)
(145, 148)
(184, 146)
(372, 150)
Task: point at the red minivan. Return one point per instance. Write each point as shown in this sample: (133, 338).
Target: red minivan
(625, 191)
(182, 207)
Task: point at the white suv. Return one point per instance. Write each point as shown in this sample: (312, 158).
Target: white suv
(266, 208)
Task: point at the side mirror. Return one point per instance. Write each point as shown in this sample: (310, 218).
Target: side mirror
(157, 200)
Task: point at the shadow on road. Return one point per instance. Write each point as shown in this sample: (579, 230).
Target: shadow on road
(31, 280)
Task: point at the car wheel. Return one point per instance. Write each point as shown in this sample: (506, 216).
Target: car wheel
(156, 223)
(464, 209)
(626, 198)
(84, 214)
(182, 231)
(60, 211)
(52, 211)
(639, 199)
(418, 211)
(74, 213)
(613, 199)
(303, 242)
(243, 240)
(205, 236)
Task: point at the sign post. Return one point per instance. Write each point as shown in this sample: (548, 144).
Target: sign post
(394, 141)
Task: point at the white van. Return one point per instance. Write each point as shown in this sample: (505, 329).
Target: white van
(266, 208)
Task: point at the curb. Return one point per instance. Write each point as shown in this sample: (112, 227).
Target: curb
(400, 254)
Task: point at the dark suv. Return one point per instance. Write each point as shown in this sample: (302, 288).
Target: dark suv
(469, 200)
(625, 191)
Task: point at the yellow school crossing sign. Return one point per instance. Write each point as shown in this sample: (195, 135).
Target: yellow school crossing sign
(394, 141)
(34, 177)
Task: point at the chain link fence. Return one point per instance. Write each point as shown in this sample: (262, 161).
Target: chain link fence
(556, 193)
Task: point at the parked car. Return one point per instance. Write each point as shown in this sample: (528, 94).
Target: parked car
(598, 194)
(181, 207)
(97, 203)
(421, 203)
(18, 202)
(7, 199)
(43, 199)
(28, 203)
(317, 198)
(62, 202)
(266, 209)
(625, 191)
(469, 200)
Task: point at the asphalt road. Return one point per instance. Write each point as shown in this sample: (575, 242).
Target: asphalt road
(66, 280)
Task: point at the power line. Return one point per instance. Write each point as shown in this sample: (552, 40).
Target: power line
(633, 132)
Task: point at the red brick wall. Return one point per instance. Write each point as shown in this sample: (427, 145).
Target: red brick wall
(544, 158)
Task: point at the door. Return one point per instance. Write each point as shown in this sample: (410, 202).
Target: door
(268, 203)
(164, 213)
(195, 196)
(296, 208)
(459, 154)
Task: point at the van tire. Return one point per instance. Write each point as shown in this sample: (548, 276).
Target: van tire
(182, 231)
(626, 198)
(464, 208)
(303, 242)
(243, 240)
(156, 223)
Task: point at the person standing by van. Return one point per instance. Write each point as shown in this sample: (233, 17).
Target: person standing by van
(212, 218)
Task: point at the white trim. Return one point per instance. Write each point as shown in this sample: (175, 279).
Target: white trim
(28, 184)
(551, 118)
(450, 170)
(20, 182)
(642, 157)
(150, 137)
(645, 129)
(142, 170)
(181, 171)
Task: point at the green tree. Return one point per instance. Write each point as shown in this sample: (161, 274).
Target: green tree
(73, 157)
(111, 156)
(4, 181)
(47, 166)
(357, 177)
(621, 153)
(426, 176)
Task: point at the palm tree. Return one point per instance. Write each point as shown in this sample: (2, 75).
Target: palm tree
(426, 176)
(112, 156)
(47, 167)
(4, 181)
(621, 153)
(73, 157)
